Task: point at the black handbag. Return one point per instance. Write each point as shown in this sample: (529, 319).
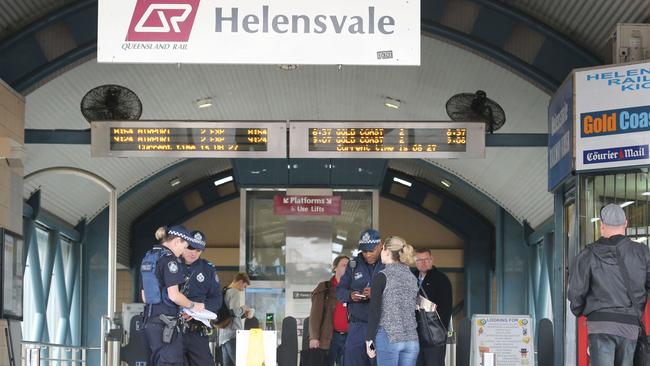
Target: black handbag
(313, 357)
(431, 330)
(642, 351)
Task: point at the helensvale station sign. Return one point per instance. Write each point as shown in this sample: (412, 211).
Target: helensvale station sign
(360, 32)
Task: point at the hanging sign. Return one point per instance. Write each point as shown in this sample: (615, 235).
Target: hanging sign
(612, 116)
(507, 338)
(307, 205)
(560, 134)
(365, 32)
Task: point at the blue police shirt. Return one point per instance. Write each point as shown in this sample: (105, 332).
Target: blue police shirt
(170, 272)
(203, 284)
(356, 280)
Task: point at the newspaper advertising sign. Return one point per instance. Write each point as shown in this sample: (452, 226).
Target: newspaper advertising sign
(560, 134)
(366, 32)
(612, 119)
(508, 337)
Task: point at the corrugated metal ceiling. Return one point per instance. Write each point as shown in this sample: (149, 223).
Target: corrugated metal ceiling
(311, 92)
(589, 23)
(16, 14)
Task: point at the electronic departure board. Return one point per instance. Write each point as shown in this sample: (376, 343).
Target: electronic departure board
(189, 139)
(387, 139)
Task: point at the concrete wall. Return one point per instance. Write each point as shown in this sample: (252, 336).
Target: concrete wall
(12, 137)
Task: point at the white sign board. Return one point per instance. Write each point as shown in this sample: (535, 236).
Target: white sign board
(256, 347)
(508, 337)
(612, 116)
(364, 32)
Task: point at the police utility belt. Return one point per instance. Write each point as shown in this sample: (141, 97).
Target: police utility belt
(170, 325)
(195, 326)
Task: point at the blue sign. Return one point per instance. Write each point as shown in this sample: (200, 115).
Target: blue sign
(615, 121)
(609, 155)
(560, 134)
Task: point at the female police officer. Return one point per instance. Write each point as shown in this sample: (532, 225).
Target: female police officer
(202, 286)
(161, 273)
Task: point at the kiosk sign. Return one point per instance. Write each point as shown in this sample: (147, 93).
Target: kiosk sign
(366, 32)
(509, 337)
(612, 119)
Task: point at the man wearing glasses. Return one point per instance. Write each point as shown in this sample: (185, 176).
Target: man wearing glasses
(435, 286)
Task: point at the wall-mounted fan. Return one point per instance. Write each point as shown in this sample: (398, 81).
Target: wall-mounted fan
(476, 107)
(111, 103)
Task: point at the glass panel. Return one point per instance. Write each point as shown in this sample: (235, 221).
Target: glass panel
(266, 236)
(266, 301)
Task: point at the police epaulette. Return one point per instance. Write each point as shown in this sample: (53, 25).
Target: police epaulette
(353, 263)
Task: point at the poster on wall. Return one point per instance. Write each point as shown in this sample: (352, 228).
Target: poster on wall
(507, 338)
(612, 116)
(308, 32)
(11, 256)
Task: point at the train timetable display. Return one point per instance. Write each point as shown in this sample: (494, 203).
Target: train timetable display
(395, 140)
(189, 139)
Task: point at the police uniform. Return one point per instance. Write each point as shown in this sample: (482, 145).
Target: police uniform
(358, 276)
(202, 286)
(161, 269)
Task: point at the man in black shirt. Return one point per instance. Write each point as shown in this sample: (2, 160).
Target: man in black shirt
(435, 286)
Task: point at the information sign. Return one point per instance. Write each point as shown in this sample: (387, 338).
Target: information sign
(189, 139)
(509, 337)
(387, 139)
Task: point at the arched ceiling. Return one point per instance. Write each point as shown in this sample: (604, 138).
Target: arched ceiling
(247, 92)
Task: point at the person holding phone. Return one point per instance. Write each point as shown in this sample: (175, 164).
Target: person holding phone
(354, 290)
(392, 336)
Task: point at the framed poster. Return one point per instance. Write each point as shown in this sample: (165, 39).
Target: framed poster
(12, 258)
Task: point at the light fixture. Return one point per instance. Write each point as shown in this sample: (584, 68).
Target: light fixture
(204, 103)
(645, 194)
(625, 204)
(174, 182)
(402, 182)
(445, 183)
(221, 181)
(341, 237)
(392, 103)
(640, 240)
(595, 219)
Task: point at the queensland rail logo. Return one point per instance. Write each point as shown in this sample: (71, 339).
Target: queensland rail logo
(161, 21)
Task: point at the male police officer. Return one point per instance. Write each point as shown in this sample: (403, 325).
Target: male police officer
(161, 276)
(354, 289)
(202, 286)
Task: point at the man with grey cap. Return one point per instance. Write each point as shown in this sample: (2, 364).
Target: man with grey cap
(608, 283)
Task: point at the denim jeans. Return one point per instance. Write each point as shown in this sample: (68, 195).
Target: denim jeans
(337, 347)
(395, 354)
(611, 350)
(228, 353)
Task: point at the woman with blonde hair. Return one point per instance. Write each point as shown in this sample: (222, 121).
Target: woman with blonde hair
(392, 336)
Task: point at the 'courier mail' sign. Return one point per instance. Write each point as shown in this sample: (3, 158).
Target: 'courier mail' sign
(363, 32)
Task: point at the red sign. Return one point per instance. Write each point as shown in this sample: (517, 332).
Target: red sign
(162, 20)
(307, 205)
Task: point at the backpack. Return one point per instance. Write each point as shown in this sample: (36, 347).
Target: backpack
(224, 314)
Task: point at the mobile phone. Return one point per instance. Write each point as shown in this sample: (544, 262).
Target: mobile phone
(372, 346)
(362, 296)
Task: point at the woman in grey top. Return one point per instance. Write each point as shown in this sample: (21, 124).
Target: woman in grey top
(392, 336)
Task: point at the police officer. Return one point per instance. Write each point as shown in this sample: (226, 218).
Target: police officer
(354, 290)
(202, 286)
(162, 273)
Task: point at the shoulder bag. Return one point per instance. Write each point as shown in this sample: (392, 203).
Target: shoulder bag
(431, 330)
